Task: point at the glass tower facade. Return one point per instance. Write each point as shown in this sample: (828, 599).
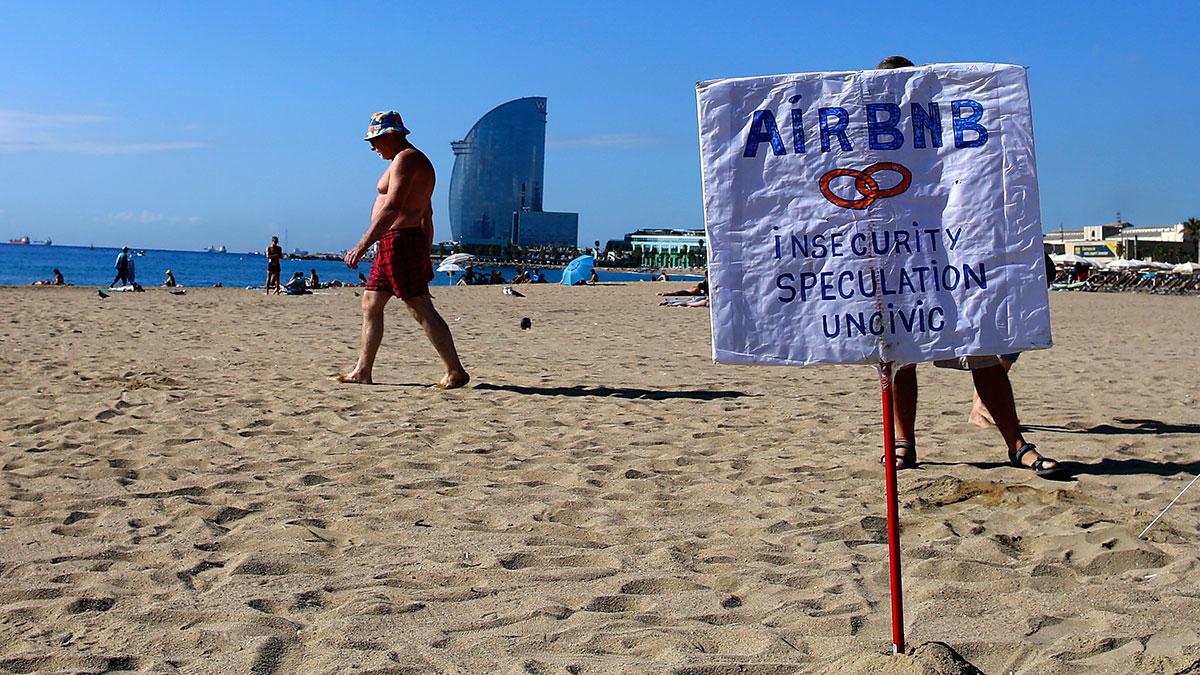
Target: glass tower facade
(498, 171)
(534, 228)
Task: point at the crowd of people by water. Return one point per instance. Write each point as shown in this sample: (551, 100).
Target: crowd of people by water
(126, 278)
(483, 278)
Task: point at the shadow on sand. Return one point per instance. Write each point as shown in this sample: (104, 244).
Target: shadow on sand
(1134, 426)
(1128, 467)
(386, 385)
(616, 392)
(1105, 467)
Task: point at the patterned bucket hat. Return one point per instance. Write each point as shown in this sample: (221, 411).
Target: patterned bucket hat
(387, 122)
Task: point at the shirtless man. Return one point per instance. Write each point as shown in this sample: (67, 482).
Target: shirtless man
(274, 255)
(402, 223)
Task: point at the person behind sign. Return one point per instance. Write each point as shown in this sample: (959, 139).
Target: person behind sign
(980, 416)
(402, 224)
(991, 384)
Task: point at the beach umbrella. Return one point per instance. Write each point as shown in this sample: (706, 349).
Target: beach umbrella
(1072, 259)
(450, 268)
(1126, 264)
(579, 269)
(458, 258)
(1186, 268)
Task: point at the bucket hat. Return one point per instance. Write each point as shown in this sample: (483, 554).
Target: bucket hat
(387, 122)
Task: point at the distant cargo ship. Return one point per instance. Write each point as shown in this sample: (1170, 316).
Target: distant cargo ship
(25, 241)
(215, 249)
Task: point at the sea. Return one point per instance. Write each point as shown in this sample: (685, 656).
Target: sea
(23, 264)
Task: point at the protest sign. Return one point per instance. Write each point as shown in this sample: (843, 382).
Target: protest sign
(872, 216)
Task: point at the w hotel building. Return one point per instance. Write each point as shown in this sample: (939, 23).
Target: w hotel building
(496, 187)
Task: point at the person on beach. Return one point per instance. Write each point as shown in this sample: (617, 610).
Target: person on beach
(314, 281)
(402, 224)
(980, 416)
(122, 268)
(274, 255)
(296, 285)
(58, 280)
(170, 282)
(700, 288)
(991, 383)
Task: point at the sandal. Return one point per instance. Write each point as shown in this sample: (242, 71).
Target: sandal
(1039, 464)
(907, 458)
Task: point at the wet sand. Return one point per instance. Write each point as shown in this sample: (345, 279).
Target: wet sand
(184, 489)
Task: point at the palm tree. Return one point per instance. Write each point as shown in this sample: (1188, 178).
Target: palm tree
(1191, 230)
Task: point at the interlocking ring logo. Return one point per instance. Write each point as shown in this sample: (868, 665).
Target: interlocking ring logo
(866, 185)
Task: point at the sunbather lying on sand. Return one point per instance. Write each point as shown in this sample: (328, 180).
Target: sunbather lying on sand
(699, 289)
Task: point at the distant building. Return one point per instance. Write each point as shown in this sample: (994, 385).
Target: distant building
(496, 187)
(1169, 243)
(667, 248)
(665, 241)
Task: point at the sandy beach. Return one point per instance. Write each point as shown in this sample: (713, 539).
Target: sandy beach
(184, 489)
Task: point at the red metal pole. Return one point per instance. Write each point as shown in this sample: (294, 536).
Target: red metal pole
(893, 510)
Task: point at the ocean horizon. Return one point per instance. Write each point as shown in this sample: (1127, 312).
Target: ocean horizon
(24, 264)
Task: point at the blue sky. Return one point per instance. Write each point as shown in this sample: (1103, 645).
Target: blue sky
(178, 125)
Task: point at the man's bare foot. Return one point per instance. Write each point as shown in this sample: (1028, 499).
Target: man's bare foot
(354, 378)
(453, 380)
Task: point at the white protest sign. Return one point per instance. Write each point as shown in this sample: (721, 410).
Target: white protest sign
(879, 215)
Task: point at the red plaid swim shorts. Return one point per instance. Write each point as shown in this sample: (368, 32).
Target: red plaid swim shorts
(402, 266)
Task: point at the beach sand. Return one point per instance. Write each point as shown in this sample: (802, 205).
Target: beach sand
(184, 489)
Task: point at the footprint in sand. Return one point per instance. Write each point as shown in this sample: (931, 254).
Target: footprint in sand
(81, 605)
(613, 604)
(659, 586)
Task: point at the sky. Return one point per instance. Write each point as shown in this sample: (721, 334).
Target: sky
(182, 125)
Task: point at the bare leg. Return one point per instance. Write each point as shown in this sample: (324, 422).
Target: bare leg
(421, 309)
(980, 416)
(904, 404)
(373, 303)
(995, 391)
